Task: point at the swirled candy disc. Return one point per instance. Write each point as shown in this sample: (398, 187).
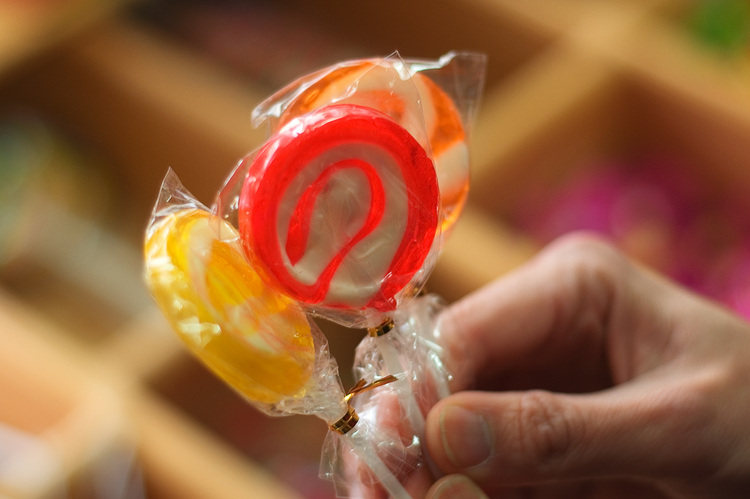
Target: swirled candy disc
(250, 336)
(369, 83)
(340, 208)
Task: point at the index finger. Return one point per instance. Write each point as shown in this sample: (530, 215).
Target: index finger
(552, 310)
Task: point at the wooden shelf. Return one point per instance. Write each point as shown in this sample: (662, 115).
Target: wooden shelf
(29, 27)
(568, 87)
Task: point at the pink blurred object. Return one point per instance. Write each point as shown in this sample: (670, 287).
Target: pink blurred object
(658, 213)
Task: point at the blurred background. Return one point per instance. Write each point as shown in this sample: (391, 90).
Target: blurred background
(630, 118)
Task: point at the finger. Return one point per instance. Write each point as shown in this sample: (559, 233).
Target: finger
(455, 486)
(553, 307)
(504, 439)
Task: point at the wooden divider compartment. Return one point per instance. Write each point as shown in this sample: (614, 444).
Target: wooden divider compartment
(430, 29)
(287, 448)
(75, 430)
(663, 48)
(616, 113)
(27, 28)
(566, 88)
(185, 460)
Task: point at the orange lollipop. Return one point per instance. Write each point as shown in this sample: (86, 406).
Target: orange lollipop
(370, 83)
(249, 335)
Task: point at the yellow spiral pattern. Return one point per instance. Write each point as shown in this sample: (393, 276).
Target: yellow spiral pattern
(252, 337)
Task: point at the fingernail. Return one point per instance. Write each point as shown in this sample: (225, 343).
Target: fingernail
(466, 436)
(455, 486)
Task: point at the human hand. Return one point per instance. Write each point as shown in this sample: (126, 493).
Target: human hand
(583, 375)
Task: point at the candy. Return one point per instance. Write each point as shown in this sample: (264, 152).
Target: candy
(371, 83)
(340, 208)
(251, 336)
(339, 214)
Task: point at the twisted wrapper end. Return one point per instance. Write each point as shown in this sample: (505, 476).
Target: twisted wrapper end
(350, 419)
(381, 330)
(347, 421)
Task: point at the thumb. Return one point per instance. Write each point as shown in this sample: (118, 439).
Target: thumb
(500, 439)
(453, 486)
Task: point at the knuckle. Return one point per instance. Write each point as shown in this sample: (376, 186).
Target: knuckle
(588, 272)
(588, 250)
(545, 429)
(590, 264)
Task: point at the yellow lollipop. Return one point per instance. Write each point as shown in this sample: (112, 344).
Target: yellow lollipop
(252, 337)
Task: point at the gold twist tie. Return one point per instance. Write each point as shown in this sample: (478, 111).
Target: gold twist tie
(347, 421)
(350, 419)
(382, 329)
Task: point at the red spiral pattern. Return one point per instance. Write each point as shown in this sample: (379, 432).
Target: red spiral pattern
(340, 208)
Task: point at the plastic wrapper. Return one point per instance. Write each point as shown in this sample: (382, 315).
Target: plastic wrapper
(394, 413)
(365, 170)
(434, 100)
(256, 340)
(340, 214)
(249, 335)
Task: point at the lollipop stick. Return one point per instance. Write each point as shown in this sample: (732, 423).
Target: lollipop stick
(393, 364)
(406, 395)
(429, 356)
(363, 448)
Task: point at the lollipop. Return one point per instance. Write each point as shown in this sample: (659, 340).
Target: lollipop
(423, 105)
(340, 214)
(249, 335)
(340, 208)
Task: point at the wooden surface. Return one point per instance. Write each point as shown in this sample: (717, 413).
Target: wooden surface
(567, 86)
(31, 26)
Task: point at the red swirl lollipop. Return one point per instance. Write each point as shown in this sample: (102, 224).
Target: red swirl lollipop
(340, 208)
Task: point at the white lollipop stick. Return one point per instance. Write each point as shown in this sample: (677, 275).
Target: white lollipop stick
(406, 396)
(363, 448)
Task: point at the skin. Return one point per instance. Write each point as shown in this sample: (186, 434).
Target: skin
(583, 375)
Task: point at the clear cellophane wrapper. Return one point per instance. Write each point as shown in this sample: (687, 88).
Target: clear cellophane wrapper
(397, 88)
(459, 74)
(381, 452)
(317, 389)
(393, 414)
(376, 450)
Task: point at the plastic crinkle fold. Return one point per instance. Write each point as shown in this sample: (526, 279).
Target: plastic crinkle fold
(340, 214)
